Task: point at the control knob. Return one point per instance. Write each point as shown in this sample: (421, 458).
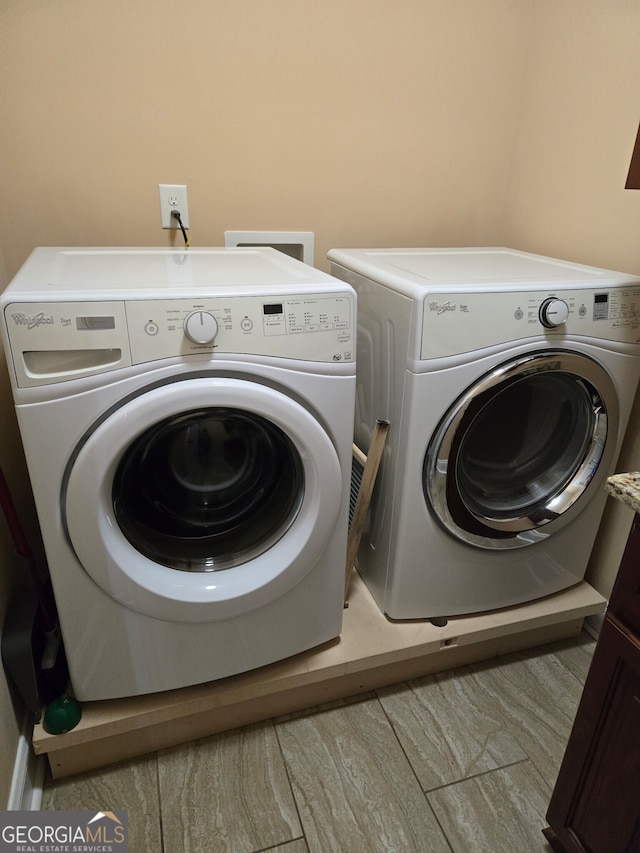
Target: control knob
(201, 327)
(553, 312)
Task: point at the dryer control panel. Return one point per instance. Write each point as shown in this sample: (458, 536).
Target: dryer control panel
(458, 322)
(56, 341)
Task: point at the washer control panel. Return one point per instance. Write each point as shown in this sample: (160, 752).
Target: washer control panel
(314, 327)
(55, 341)
(460, 322)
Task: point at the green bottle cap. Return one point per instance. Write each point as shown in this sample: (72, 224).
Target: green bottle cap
(61, 715)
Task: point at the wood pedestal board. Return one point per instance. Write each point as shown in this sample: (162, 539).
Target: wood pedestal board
(371, 652)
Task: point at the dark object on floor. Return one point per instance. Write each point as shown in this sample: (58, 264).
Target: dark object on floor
(33, 658)
(32, 650)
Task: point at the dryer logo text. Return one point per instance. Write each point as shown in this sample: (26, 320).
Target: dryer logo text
(32, 321)
(442, 307)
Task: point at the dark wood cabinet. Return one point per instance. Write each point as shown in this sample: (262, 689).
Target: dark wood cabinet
(633, 178)
(624, 606)
(595, 807)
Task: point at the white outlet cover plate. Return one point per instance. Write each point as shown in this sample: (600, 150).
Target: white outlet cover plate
(170, 193)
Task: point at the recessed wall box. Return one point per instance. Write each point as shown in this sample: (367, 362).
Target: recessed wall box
(297, 244)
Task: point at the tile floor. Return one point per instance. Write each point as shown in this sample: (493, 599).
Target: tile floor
(459, 762)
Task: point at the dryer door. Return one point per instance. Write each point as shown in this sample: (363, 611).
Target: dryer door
(521, 452)
(203, 499)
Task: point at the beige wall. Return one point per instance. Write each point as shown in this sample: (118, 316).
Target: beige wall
(578, 123)
(369, 122)
(363, 121)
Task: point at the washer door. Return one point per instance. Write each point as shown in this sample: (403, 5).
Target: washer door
(203, 499)
(521, 452)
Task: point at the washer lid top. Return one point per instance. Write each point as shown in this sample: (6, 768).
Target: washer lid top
(416, 271)
(67, 273)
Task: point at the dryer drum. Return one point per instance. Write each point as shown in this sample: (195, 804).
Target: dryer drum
(203, 490)
(524, 445)
(519, 449)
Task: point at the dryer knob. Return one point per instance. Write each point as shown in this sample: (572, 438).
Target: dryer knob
(553, 312)
(201, 327)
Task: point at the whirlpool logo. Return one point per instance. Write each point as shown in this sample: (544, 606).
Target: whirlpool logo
(32, 321)
(63, 832)
(442, 307)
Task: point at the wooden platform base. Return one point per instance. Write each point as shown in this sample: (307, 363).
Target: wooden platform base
(371, 652)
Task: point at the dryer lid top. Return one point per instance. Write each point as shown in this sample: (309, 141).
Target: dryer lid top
(415, 271)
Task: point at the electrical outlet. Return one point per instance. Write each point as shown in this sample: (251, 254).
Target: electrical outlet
(173, 197)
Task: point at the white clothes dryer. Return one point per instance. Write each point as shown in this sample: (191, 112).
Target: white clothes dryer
(187, 420)
(508, 379)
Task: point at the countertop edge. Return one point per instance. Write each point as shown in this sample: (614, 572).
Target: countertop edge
(625, 488)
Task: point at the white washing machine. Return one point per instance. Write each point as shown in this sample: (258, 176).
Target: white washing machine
(508, 379)
(187, 419)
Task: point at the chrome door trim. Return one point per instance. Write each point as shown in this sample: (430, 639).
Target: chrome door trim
(439, 477)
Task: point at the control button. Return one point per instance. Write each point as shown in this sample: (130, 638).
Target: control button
(151, 328)
(582, 310)
(246, 324)
(553, 312)
(518, 314)
(201, 327)
(337, 357)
